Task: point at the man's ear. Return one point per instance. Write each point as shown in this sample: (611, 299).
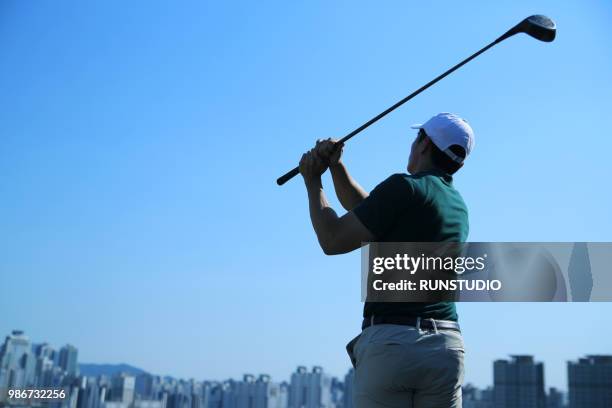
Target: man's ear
(425, 145)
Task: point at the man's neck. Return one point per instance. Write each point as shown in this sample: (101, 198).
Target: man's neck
(425, 167)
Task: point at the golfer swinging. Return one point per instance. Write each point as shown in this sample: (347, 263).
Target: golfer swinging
(408, 354)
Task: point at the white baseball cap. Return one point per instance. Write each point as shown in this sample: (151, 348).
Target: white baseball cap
(447, 129)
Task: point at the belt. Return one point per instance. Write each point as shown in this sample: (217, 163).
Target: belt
(428, 324)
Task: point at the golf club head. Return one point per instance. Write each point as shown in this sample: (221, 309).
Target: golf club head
(537, 26)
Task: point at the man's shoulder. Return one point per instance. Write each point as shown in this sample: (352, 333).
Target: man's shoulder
(424, 184)
(400, 178)
(413, 182)
(432, 179)
(429, 186)
(399, 181)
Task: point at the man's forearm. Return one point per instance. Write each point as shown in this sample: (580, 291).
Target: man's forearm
(323, 217)
(349, 192)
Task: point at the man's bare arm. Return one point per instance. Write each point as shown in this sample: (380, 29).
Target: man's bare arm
(336, 235)
(349, 192)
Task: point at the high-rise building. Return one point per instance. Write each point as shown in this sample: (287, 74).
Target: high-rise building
(244, 391)
(476, 398)
(310, 389)
(17, 363)
(555, 398)
(147, 386)
(519, 383)
(44, 350)
(45, 357)
(89, 393)
(122, 388)
(590, 382)
(348, 389)
(68, 360)
(44, 372)
(215, 395)
(337, 392)
(269, 394)
(254, 393)
(179, 399)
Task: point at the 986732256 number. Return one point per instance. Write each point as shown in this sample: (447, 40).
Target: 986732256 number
(36, 393)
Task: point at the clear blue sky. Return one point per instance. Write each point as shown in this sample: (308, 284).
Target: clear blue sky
(140, 143)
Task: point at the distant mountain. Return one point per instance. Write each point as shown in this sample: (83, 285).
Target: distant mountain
(94, 370)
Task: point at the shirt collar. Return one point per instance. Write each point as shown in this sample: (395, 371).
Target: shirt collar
(439, 173)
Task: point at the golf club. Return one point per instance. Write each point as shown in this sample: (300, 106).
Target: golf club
(537, 26)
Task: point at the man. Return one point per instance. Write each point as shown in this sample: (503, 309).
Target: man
(408, 354)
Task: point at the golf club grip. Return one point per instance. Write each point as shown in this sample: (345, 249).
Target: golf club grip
(287, 176)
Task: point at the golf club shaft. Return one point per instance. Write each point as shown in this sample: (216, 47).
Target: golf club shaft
(290, 174)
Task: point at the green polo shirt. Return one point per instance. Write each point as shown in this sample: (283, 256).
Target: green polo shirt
(424, 207)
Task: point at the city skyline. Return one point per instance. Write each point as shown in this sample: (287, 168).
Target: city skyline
(165, 362)
(67, 358)
(517, 383)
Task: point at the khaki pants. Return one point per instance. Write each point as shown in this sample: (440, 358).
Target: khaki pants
(402, 366)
